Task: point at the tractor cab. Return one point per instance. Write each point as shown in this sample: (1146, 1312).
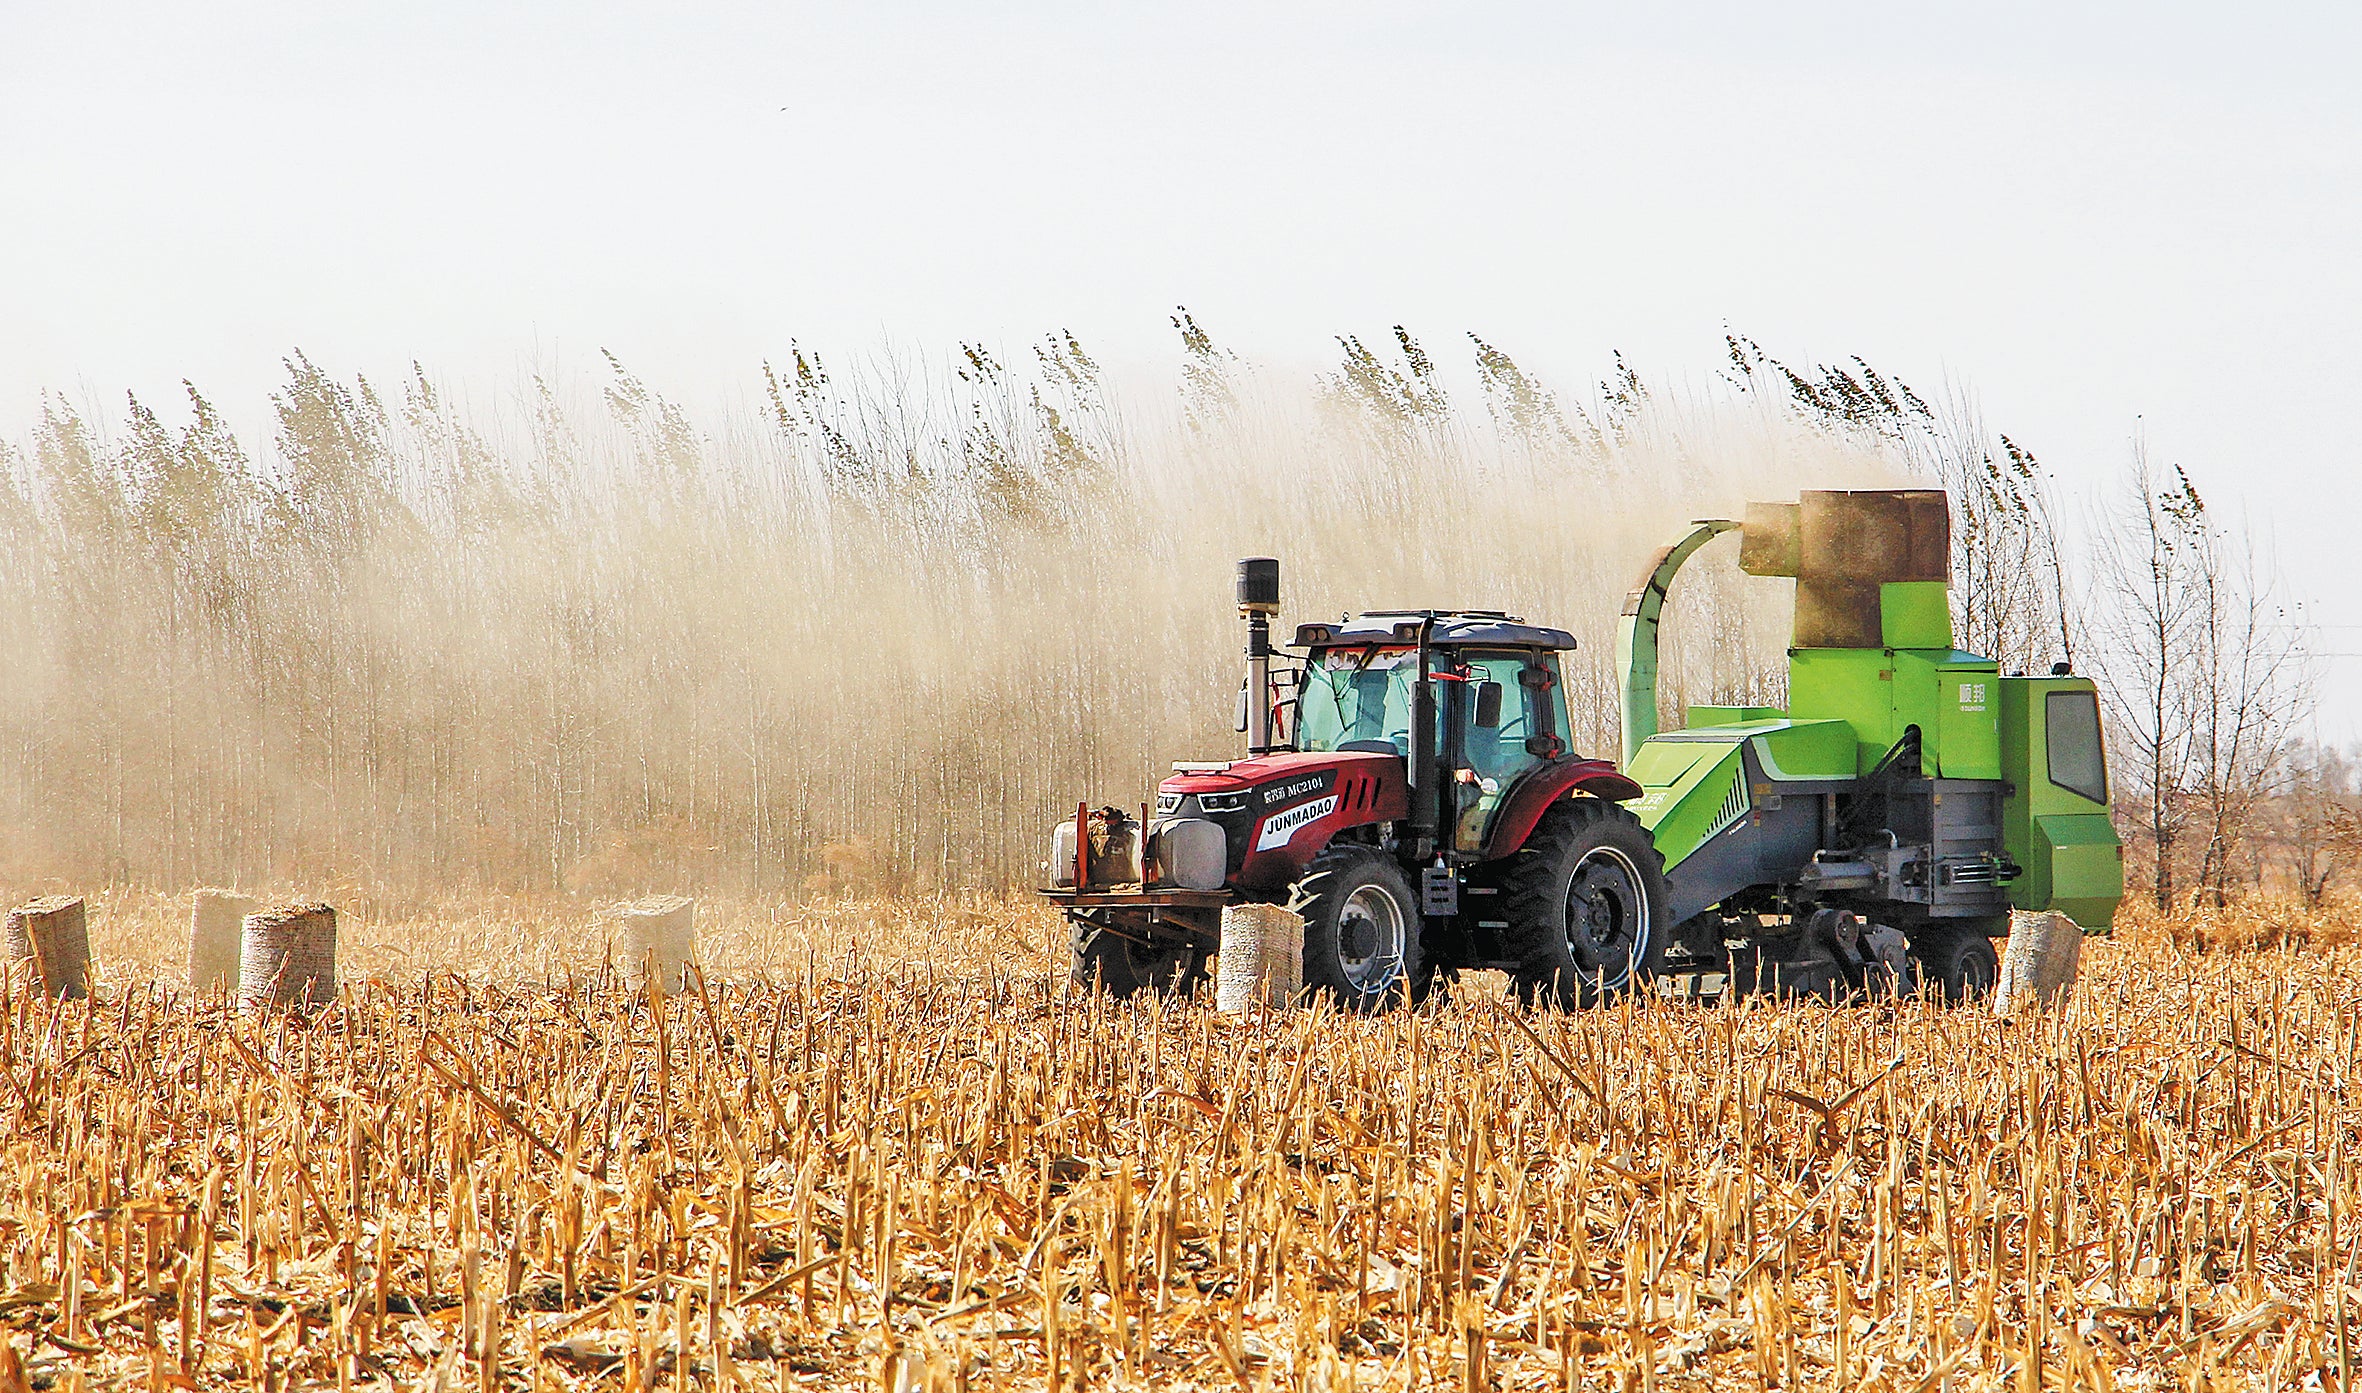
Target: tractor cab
(1498, 712)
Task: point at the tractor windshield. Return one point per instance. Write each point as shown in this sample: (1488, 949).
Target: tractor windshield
(1357, 698)
(1360, 698)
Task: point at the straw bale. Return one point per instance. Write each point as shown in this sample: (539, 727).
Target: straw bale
(53, 936)
(2039, 964)
(287, 956)
(1262, 957)
(659, 933)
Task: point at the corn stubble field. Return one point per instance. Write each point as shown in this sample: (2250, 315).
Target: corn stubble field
(886, 1146)
(859, 640)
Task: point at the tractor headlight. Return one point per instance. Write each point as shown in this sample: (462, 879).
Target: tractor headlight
(1221, 802)
(1168, 804)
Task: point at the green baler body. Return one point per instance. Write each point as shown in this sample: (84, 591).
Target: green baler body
(1687, 786)
(1690, 778)
(1879, 693)
(1847, 709)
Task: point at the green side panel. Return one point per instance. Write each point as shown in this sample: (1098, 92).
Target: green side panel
(1807, 750)
(1948, 694)
(1699, 716)
(1690, 789)
(1968, 717)
(2086, 866)
(1915, 614)
(1853, 685)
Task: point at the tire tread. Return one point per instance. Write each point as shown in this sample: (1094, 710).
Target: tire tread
(1316, 897)
(1530, 895)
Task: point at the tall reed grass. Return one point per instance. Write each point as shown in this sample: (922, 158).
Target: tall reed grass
(874, 629)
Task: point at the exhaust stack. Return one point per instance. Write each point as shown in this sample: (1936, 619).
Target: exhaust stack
(1258, 601)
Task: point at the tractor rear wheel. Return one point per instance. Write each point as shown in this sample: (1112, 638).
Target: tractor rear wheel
(1585, 902)
(1361, 928)
(1105, 960)
(1956, 965)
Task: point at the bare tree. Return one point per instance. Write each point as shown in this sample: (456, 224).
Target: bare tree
(2008, 577)
(2203, 684)
(2253, 689)
(2320, 823)
(2147, 615)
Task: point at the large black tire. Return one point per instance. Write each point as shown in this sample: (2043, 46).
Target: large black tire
(1361, 928)
(1585, 901)
(1957, 966)
(1108, 961)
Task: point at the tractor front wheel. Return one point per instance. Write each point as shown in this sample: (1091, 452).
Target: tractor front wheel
(1361, 928)
(1585, 902)
(1105, 960)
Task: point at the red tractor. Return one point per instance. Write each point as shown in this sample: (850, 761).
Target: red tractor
(1410, 792)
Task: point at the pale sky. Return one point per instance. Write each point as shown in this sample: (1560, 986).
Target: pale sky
(2099, 218)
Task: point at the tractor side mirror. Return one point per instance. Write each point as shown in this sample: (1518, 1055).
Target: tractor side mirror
(1488, 706)
(1242, 707)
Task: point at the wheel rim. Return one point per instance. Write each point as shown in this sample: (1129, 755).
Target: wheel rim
(1370, 939)
(1607, 917)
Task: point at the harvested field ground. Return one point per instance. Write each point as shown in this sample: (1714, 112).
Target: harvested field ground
(885, 1146)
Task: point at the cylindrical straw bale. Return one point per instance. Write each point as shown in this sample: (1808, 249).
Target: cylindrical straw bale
(2038, 966)
(287, 956)
(659, 935)
(1262, 957)
(53, 936)
(217, 932)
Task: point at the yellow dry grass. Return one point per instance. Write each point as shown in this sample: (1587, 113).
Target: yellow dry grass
(884, 1146)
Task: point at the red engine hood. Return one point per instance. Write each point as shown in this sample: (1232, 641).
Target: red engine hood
(1263, 769)
(1288, 806)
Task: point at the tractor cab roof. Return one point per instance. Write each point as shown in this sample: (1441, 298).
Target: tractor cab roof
(1481, 627)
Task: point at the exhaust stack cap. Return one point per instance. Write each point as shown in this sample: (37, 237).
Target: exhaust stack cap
(1258, 585)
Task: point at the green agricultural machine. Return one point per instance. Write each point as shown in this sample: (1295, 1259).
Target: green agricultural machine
(1878, 831)
(1412, 793)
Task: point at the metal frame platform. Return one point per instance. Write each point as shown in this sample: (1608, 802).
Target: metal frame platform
(1145, 899)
